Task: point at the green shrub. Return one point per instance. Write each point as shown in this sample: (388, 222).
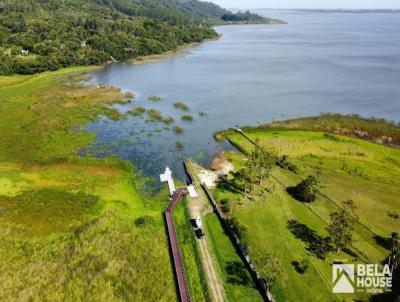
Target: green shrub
(144, 220)
(305, 191)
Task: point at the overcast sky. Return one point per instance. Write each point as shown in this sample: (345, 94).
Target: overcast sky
(349, 4)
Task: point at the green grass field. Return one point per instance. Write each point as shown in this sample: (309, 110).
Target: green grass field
(237, 281)
(69, 228)
(347, 168)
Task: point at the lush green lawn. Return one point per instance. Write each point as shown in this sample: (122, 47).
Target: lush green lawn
(347, 169)
(69, 230)
(237, 281)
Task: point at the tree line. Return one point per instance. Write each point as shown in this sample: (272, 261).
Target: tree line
(37, 36)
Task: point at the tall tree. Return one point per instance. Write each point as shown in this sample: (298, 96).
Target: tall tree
(306, 190)
(342, 224)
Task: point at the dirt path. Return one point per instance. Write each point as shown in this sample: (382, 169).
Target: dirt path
(199, 207)
(213, 282)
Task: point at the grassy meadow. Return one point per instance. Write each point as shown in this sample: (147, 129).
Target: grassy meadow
(276, 223)
(236, 280)
(73, 228)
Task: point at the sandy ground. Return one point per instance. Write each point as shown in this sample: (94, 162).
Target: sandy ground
(200, 207)
(197, 208)
(219, 166)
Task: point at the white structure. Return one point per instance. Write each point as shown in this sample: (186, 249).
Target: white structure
(167, 177)
(192, 191)
(198, 222)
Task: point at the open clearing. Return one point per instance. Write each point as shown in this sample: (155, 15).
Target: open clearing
(275, 223)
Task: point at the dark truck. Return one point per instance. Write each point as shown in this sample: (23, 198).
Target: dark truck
(199, 233)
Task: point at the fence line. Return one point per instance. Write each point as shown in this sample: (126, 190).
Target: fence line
(183, 289)
(240, 249)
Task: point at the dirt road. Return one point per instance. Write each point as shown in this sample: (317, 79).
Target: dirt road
(199, 207)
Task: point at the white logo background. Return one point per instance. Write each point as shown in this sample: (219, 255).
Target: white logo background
(343, 278)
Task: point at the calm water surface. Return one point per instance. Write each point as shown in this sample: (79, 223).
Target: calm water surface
(319, 62)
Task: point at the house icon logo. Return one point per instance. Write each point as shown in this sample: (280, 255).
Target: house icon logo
(343, 278)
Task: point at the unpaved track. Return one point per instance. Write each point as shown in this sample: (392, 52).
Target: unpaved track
(213, 282)
(197, 207)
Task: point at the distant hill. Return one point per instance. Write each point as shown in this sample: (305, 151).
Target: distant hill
(42, 35)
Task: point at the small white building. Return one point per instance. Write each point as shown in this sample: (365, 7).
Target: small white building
(167, 177)
(192, 191)
(198, 221)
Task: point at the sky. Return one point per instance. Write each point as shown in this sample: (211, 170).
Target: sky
(321, 4)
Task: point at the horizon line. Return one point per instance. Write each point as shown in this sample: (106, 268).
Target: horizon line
(343, 9)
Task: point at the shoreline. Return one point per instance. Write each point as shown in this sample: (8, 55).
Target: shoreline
(179, 52)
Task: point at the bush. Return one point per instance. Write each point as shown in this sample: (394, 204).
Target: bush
(305, 191)
(226, 207)
(238, 228)
(144, 220)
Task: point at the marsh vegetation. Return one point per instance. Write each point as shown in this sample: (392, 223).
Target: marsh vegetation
(178, 129)
(181, 105)
(155, 98)
(63, 213)
(187, 118)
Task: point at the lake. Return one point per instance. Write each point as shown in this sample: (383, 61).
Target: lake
(318, 62)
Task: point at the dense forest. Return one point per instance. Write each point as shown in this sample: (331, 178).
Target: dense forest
(41, 35)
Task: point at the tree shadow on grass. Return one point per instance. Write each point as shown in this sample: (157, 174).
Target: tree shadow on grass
(229, 185)
(350, 252)
(301, 269)
(316, 245)
(382, 241)
(237, 273)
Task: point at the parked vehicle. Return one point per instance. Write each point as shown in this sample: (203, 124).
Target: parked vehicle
(200, 233)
